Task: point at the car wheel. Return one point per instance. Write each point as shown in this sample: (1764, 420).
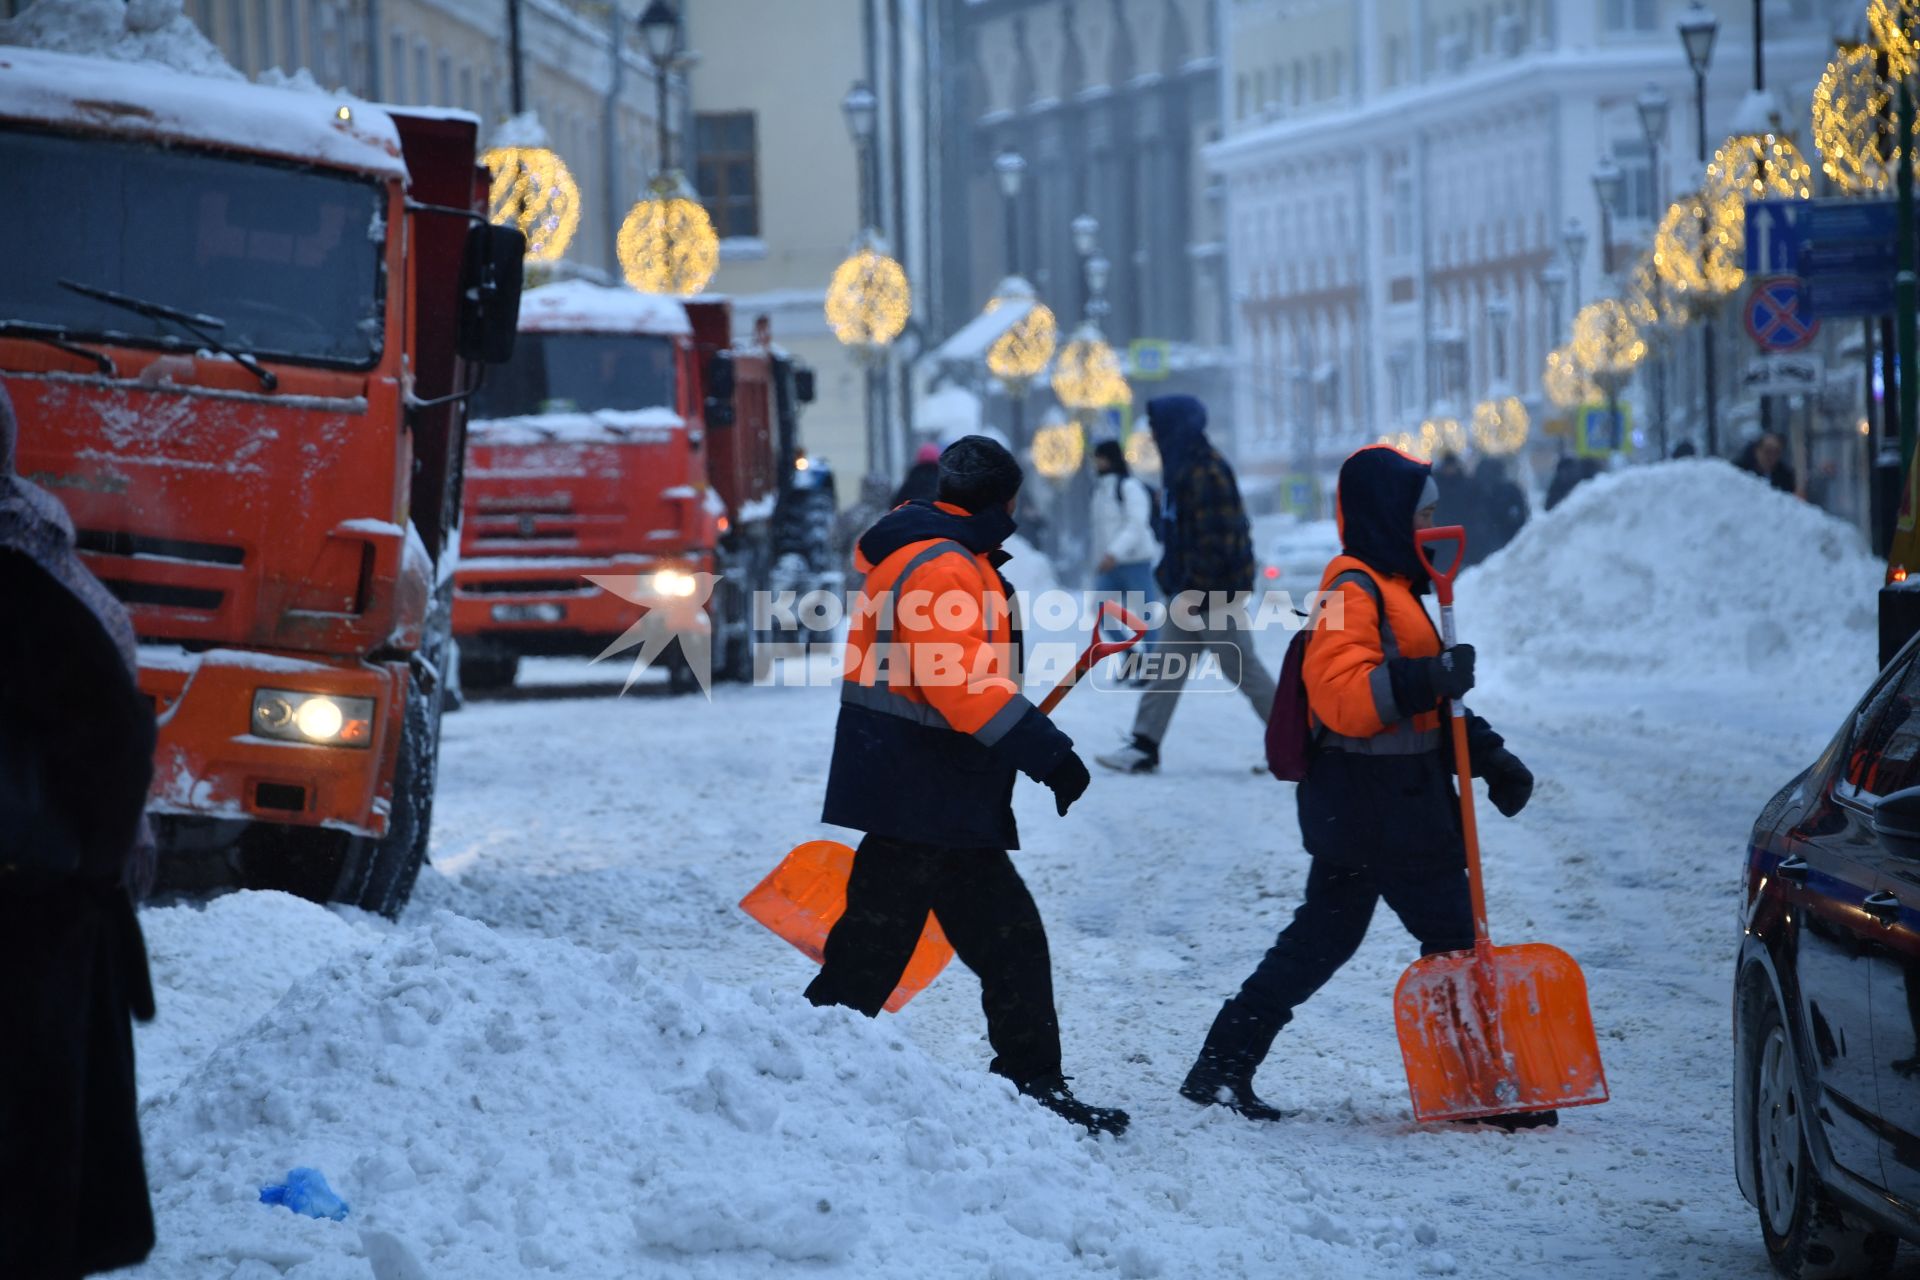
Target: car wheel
(1808, 1237)
(482, 672)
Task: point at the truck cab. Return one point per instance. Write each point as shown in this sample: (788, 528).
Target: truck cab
(235, 349)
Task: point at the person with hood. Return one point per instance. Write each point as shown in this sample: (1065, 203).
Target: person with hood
(933, 727)
(1569, 474)
(1378, 811)
(76, 758)
(922, 478)
(1122, 523)
(1206, 573)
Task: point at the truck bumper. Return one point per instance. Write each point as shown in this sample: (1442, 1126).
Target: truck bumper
(548, 607)
(209, 764)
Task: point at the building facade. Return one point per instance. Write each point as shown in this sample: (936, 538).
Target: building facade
(1399, 173)
(1110, 103)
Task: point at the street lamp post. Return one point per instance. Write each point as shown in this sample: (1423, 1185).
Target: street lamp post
(1086, 239)
(1011, 168)
(861, 110)
(1553, 281)
(1499, 311)
(1698, 26)
(1655, 107)
(1574, 238)
(1608, 186)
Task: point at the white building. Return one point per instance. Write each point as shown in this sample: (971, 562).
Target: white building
(1395, 166)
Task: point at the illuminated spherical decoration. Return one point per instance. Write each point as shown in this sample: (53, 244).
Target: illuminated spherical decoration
(869, 300)
(1415, 444)
(1058, 450)
(1851, 123)
(1022, 351)
(1606, 342)
(534, 191)
(1143, 455)
(667, 243)
(1500, 426)
(1566, 381)
(1649, 301)
(1697, 255)
(1087, 374)
(1896, 28)
(1443, 435)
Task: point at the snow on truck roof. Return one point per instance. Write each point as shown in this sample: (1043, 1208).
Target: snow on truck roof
(112, 95)
(576, 305)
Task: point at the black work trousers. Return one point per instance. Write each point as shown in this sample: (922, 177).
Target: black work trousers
(987, 914)
(1435, 906)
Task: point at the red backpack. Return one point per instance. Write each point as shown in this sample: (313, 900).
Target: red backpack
(1290, 731)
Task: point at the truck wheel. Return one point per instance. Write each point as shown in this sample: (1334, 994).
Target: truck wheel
(481, 671)
(379, 873)
(1808, 1237)
(736, 626)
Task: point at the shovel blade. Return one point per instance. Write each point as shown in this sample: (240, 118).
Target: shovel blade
(1497, 1030)
(803, 896)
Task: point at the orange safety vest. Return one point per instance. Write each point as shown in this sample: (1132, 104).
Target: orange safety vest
(935, 641)
(1349, 693)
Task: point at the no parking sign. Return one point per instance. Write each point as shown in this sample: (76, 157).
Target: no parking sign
(1777, 314)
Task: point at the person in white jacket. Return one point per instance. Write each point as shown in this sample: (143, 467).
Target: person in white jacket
(1122, 530)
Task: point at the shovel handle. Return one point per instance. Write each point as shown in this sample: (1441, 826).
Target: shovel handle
(1457, 715)
(1097, 650)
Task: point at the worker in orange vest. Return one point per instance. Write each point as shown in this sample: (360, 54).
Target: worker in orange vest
(1377, 808)
(933, 728)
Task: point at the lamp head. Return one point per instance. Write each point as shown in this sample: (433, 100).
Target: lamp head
(1011, 167)
(1086, 234)
(1655, 108)
(861, 109)
(660, 31)
(1698, 26)
(1575, 239)
(1608, 184)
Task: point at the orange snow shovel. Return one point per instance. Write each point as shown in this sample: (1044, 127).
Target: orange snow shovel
(1495, 1030)
(803, 896)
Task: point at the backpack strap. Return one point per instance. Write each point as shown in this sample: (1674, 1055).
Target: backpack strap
(1399, 737)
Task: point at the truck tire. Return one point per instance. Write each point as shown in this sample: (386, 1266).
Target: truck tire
(482, 670)
(378, 873)
(1808, 1236)
(736, 633)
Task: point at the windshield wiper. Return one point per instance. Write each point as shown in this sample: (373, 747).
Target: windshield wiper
(54, 336)
(193, 322)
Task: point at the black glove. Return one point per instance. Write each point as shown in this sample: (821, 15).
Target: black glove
(1068, 782)
(1422, 684)
(1509, 783)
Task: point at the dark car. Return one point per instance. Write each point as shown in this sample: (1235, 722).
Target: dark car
(1827, 997)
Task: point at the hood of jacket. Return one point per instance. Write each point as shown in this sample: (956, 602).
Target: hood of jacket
(979, 532)
(1378, 493)
(1179, 426)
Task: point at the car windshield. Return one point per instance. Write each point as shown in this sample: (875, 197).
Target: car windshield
(289, 257)
(579, 373)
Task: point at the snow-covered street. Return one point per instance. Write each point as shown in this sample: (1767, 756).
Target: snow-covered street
(574, 1054)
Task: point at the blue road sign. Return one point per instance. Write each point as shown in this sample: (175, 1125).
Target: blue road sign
(1833, 297)
(1776, 314)
(1775, 231)
(1849, 258)
(1850, 254)
(1829, 220)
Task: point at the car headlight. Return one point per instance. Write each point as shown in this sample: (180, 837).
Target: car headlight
(674, 583)
(319, 719)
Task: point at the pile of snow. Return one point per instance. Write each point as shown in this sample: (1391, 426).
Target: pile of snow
(1690, 569)
(155, 31)
(490, 1105)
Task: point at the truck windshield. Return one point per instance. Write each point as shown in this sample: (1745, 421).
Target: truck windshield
(579, 373)
(289, 257)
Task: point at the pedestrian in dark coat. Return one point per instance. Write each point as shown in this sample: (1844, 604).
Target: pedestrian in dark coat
(76, 758)
(1206, 571)
(922, 482)
(1766, 457)
(933, 730)
(1378, 810)
(1568, 474)
(1502, 505)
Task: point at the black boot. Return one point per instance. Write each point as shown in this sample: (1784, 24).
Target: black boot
(1222, 1076)
(1052, 1093)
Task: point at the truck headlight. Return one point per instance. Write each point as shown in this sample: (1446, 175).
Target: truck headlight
(674, 583)
(319, 719)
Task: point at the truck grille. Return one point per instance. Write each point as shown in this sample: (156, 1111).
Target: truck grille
(166, 597)
(111, 542)
(527, 587)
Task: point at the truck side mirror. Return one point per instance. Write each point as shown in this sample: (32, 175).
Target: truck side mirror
(803, 385)
(719, 407)
(490, 280)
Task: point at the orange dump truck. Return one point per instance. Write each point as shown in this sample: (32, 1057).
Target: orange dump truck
(237, 332)
(628, 438)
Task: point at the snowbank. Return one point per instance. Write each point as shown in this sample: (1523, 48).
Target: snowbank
(153, 31)
(503, 1105)
(1688, 569)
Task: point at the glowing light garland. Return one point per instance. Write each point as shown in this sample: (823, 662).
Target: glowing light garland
(1022, 351)
(1606, 342)
(1752, 167)
(1697, 255)
(667, 243)
(1058, 450)
(1566, 381)
(1143, 455)
(1851, 124)
(534, 191)
(869, 299)
(1500, 426)
(1896, 28)
(1649, 301)
(1088, 375)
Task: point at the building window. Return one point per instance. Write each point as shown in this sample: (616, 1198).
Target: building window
(1632, 15)
(466, 102)
(489, 103)
(397, 68)
(422, 87)
(727, 171)
(290, 34)
(1636, 167)
(237, 32)
(1402, 239)
(1240, 97)
(1396, 61)
(446, 81)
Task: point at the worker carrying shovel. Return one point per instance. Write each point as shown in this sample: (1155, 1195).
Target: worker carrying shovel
(1378, 812)
(932, 729)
